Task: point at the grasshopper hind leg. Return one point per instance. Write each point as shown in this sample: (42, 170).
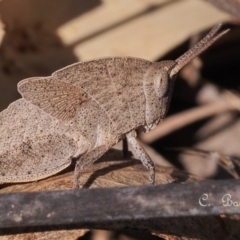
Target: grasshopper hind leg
(85, 161)
(89, 158)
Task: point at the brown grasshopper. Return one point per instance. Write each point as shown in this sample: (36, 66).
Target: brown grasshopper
(83, 110)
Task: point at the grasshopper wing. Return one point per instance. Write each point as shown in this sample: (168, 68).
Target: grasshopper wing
(57, 98)
(27, 151)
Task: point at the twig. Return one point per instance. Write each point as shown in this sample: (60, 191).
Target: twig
(226, 162)
(184, 118)
(111, 208)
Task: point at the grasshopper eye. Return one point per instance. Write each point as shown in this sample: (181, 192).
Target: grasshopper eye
(161, 83)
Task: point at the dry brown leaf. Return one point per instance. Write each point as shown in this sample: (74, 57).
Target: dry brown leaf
(53, 235)
(114, 172)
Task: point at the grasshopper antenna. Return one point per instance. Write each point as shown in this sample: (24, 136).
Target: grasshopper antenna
(197, 49)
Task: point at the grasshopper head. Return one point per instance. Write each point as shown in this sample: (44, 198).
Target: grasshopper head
(162, 77)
